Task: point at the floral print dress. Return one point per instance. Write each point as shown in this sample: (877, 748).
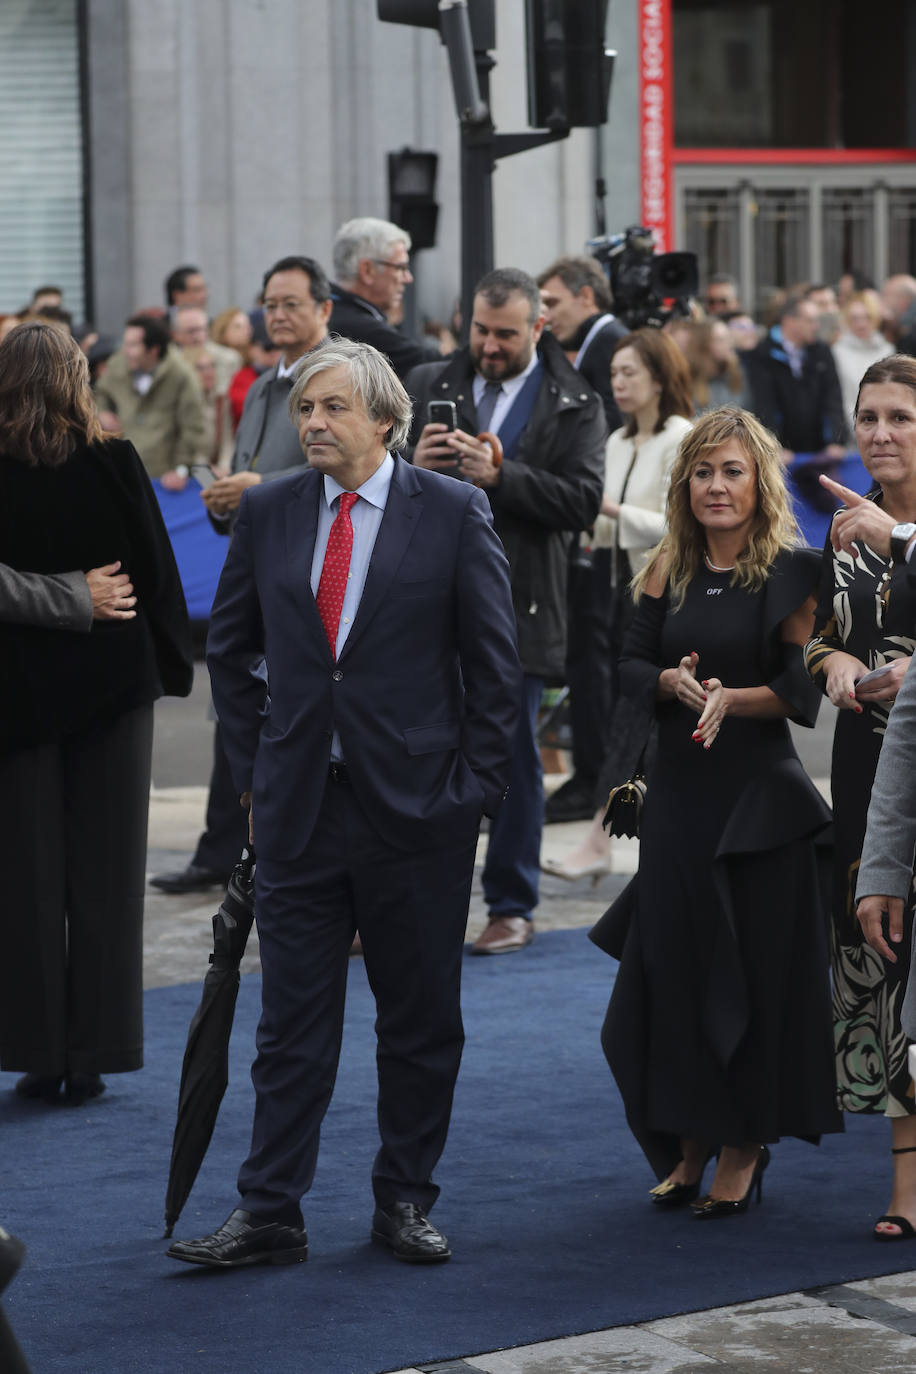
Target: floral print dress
(866, 608)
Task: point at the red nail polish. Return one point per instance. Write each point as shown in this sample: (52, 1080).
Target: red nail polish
(697, 735)
(852, 695)
(705, 682)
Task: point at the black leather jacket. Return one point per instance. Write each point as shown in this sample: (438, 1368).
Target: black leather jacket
(547, 494)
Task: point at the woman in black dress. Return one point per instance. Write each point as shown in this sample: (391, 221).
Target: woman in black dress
(866, 619)
(76, 721)
(718, 1030)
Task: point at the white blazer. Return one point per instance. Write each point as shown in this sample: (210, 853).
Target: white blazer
(642, 515)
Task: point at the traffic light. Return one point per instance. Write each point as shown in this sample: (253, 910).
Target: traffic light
(569, 69)
(424, 14)
(411, 195)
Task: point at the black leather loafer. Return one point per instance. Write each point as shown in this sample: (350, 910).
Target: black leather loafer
(190, 879)
(409, 1234)
(244, 1239)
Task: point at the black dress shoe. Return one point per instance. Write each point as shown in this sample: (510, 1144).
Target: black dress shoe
(409, 1234)
(39, 1087)
(190, 879)
(571, 802)
(244, 1238)
(80, 1087)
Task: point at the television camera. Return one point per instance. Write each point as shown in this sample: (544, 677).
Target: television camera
(649, 288)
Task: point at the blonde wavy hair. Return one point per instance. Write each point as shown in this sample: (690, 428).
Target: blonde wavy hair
(773, 527)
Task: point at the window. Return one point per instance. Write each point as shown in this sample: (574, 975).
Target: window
(41, 159)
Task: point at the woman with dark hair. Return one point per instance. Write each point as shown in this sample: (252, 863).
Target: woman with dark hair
(76, 728)
(866, 620)
(651, 387)
(718, 1029)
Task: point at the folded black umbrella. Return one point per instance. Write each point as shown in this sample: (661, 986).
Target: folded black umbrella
(205, 1070)
(12, 1360)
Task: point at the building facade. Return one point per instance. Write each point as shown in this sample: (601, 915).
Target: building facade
(773, 139)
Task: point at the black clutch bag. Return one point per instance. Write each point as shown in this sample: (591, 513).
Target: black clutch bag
(624, 806)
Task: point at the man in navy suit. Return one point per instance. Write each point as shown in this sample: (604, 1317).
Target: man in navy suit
(378, 595)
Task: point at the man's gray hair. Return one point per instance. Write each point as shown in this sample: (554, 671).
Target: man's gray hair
(373, 378)
(364, 238)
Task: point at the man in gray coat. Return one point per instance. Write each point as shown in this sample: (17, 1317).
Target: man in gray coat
(66, 601)
(886, 868)
(297, 304)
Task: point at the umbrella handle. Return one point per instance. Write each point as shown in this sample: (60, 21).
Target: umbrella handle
(248, 860)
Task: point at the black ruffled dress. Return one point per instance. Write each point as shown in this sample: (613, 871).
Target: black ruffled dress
(719, 1025)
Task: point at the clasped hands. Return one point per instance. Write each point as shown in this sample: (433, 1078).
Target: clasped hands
(440, 448)
(708, 698)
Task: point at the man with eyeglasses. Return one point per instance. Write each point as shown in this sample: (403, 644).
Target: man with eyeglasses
(722, 295)
(372, 269)
(297, 303)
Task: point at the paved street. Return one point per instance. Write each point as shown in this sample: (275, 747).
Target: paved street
(843, 1330)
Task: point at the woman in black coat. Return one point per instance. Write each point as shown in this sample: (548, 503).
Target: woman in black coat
(76, 723)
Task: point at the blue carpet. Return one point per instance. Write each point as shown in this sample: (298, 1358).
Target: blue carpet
(543, 1197)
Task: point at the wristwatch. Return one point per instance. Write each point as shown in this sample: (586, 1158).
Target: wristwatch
(900, 537)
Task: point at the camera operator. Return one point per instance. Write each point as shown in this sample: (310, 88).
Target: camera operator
(576, 299)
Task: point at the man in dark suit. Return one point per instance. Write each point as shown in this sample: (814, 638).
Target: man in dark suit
(372, 270)
(795, 388)
(576, 297)
(297, 303)
(512, 380)
(379, 597)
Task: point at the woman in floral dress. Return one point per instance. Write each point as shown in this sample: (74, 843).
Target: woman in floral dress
(866, 619)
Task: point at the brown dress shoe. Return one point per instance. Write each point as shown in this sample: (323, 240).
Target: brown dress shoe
(504, 935)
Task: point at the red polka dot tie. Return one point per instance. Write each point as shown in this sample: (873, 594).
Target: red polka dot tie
(335, 570)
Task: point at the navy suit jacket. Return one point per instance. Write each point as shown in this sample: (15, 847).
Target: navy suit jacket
(425, 693)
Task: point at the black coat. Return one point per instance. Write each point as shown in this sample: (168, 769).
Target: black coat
(805, 413)
(354, 318)
(96, 508)
(549, 492)
(595, 367)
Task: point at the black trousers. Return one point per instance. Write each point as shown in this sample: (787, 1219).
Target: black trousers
(226, 831)
(411, 911)
(73, 822)
(591, 662)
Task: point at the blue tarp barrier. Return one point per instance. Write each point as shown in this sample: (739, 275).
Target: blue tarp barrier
(199, 550)
(814, 515)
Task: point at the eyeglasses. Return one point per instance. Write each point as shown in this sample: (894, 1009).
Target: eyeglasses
(402, 268)
(718, 300)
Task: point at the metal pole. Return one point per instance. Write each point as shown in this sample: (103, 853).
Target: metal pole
(476, 220)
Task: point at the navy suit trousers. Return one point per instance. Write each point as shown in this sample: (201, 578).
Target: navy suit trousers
(411, 912)
(512, 869)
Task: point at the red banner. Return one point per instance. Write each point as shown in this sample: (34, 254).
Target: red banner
(656, 119)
